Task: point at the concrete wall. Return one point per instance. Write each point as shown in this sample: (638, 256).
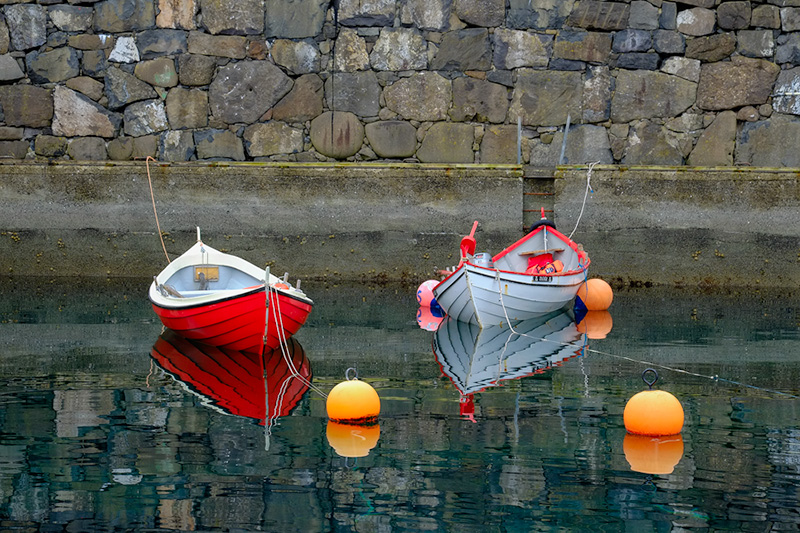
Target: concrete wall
(714, 227)
(641, 226)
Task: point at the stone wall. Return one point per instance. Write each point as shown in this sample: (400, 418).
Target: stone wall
(696, 82)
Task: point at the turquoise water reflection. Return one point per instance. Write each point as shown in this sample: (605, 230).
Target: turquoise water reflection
(95, 435)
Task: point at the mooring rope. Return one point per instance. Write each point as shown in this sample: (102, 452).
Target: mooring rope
(585, 195)
(155, 212)
(585, 348)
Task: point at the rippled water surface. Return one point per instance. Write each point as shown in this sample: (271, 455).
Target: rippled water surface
(108, 423)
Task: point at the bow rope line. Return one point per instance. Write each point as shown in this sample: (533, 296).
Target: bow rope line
(585, 195)
(585, 348)
(155, 212)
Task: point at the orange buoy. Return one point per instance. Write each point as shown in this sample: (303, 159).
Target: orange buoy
(653, 455)
(596, 324)
(595, 294)
(352, 441)
(353, 402)
(653, 413)
(425, 292)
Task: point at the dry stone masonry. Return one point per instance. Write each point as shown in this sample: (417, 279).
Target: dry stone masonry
(640, 82)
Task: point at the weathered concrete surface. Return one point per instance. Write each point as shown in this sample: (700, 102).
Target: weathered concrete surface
(701, 227)
(336, 221)
(708, 227)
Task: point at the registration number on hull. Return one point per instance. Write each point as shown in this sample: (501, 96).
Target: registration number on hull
(542, 279)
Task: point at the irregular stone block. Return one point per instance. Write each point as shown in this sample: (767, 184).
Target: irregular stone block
(478, 100)
(159, 72)
(143, 118)
(632, 41)
(26, 105)
(88, 41)
(538, 14)
(87, 149)
(187, 108)
(374, 13)
(586, 143)
(486, 13)
(392, 139)
(176, 146)
(447, 142)
(645, 94)
(232, 46)
(712, 47)
(162, 42)
(597, 91)
(766, 16)
(5, 37)
(400, 49)
(120, 149)
(425, 96)
(27, 25)
(786, 94)
(651, 144)
(50, 146)
(93, 63)
(769, 143)
(668, 42)
(643, 15)
(233, 17)
(242, 92)
(688, 69)
(734, 15)
(514, 49)
(609, 16)
(788, 50)
(122, 88)
(499, 145)
(668, 19)
(592, 47)
(303, 102)
(790, 19)
(297, 19)
(196, 70)
(755, 43)
(14, 149)
(638, 60)
(119, 16)
(545, 98)
(338, 135)
(9, 68)
(742, 81)
(75, 115)
(298, 57)
(696, 21)
(427, 15)
(468, 49)
(176, 14)
(355, 92)
(218, 145)
(272, 138)
(350, 53)
(715, 146)
(71, 18)
(125, 51)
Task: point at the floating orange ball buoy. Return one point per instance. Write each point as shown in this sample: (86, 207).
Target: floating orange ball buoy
(429, 318)
(653, 412)
(595, 294)
(353, 402)
(653, 455)
(352, 441)
(596, 324)
(425, 292)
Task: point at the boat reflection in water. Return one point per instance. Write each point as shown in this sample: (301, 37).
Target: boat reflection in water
(476, 359)
(245, 384)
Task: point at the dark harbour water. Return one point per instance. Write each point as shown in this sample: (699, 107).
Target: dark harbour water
(96, 436)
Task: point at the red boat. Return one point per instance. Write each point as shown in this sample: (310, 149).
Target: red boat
(225, 301)
(262, 387)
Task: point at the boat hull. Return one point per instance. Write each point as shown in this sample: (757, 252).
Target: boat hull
(222, 300)
(503, 292)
